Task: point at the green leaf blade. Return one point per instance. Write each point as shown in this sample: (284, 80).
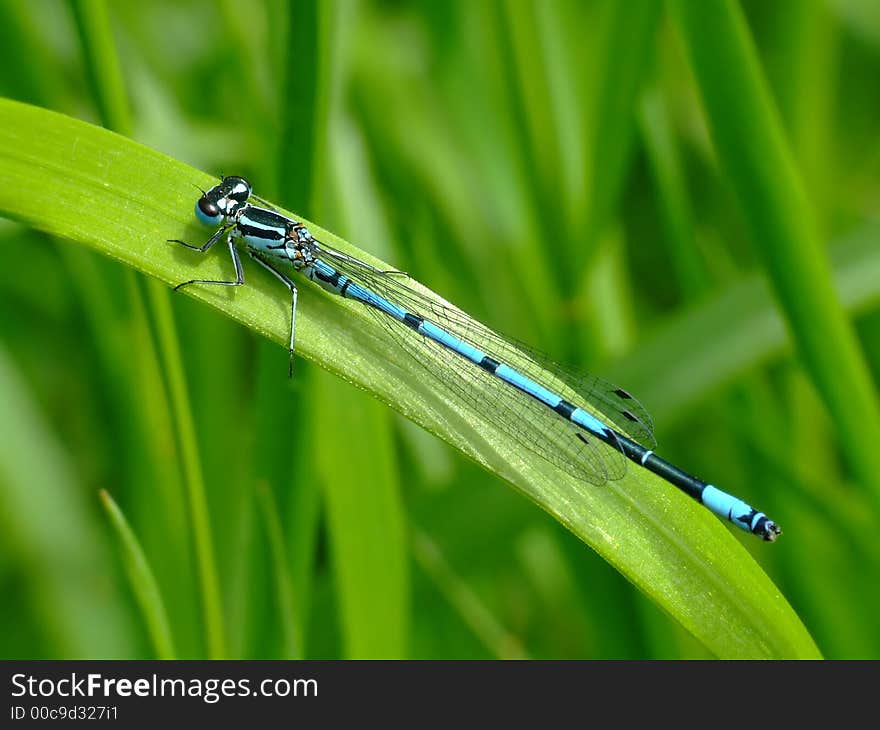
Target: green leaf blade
(90, 186)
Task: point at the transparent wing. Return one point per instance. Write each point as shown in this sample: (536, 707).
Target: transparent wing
(605, 399)
(530, 423)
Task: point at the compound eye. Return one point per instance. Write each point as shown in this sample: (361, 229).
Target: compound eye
(208, 211)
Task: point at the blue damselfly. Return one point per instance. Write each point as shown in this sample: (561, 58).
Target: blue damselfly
(542, 406)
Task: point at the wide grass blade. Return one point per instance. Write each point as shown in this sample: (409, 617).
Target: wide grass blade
(90, 186)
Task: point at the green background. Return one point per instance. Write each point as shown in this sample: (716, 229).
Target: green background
(678, 196)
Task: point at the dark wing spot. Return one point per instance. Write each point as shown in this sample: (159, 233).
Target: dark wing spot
(629, 416)
(621, 393)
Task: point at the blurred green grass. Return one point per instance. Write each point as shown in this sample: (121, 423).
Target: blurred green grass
(563, 146)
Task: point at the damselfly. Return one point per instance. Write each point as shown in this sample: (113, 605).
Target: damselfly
(545, 408)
